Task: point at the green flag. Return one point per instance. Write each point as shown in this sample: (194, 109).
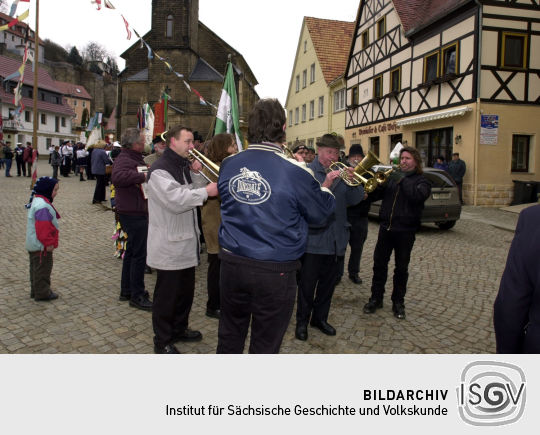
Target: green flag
(227, 114)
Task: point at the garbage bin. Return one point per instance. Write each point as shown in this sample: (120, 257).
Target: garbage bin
(536, 193)
(524, 192)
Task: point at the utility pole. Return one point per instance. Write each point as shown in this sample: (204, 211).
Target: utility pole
(36, 89)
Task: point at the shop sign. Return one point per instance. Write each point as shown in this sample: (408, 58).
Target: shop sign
(382, 128)
(489, 129)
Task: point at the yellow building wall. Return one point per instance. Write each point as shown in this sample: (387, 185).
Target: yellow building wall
(319, 125)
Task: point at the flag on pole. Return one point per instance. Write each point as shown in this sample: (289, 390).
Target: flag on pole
(227, 113)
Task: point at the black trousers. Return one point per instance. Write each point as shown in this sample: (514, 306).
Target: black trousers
(173, 298)
(99, 191)
(212, 281)
(21, 167)
(357, 237)
(55, 171)
(316, 287)
(401, 243)
(262, 297)
(132, 282)
(41, 264)
(460, 188)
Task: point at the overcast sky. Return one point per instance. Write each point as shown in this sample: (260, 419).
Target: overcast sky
(267, 35)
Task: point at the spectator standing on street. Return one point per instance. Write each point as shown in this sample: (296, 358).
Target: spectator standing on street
(42, 237)
(56, 160)
(8, 158)
(28, 157)
(132, 209)
(441, 164)
(517, 306)
(175, 189)
(403, 198)
(82, 158)
(21, 167)
(2, 145)
(457, 169)
(100, 160)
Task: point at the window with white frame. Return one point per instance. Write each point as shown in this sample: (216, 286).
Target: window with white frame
(303, 113)
(339, 100)
(297, 83)
(312, 73)
(304, 78)
(296, 115)
(290, 118)
(321, 106)
(312, 109)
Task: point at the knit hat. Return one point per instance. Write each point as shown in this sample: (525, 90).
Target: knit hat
(44, 186)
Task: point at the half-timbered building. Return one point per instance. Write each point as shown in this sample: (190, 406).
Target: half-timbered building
(450, 76)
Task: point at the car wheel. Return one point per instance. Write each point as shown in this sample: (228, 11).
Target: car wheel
(445, 225)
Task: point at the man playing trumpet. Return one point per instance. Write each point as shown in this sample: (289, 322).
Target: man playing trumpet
(402, 204)
(326, 244)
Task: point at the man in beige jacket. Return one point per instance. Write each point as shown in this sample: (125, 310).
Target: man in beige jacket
(175, 190)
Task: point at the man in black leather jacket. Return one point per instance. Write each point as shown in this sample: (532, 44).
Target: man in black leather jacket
(402, 204)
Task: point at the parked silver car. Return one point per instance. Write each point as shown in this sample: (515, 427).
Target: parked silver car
(442, 208)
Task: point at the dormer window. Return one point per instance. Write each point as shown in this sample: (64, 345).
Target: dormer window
(169, 30)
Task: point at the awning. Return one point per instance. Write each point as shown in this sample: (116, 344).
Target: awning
(459, 111)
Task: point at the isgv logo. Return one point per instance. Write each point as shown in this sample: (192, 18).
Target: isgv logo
(491, 393)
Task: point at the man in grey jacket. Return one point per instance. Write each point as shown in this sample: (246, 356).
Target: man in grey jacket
(325, 244)
(175, 190)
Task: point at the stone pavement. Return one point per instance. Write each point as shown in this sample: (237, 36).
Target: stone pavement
(454, 278)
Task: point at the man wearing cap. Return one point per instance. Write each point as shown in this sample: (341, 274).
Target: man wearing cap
(159, 147)
(357, 216)
(310, 155)
(300, 151)
(325, 244)
(21, 168)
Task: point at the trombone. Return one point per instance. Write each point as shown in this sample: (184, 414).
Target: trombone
(211, 167)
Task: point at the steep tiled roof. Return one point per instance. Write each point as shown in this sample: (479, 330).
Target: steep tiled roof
(16, 30)
(332, 42)
(72, 90)
(9, 66)
(43, 106)
(416, 14)
(203, 71)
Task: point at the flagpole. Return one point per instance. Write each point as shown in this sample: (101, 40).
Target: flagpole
(36, 88)
(213, 125)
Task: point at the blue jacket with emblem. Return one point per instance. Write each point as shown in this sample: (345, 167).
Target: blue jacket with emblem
(267, 203)
(332, 239)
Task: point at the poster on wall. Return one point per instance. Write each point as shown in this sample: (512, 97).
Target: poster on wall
(489, 129)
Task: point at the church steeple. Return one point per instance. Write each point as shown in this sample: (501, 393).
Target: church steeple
(175, 23)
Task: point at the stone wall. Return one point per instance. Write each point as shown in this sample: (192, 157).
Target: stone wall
(495, 195)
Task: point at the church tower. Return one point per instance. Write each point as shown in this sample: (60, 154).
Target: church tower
(175, 24)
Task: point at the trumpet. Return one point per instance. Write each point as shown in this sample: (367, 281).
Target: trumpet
(211, 167)
(360, 171)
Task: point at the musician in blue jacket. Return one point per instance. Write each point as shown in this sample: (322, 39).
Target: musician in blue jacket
(326, 244)
(517, 307)
(267, 203)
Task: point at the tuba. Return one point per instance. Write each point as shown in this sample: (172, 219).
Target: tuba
(211, 167)
(362, 173)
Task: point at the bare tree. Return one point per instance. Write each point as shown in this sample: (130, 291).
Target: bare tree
(95, 52)
(3, 6)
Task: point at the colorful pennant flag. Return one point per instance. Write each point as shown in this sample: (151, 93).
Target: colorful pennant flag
(14, 6)
(127, 27)
(13, 22)
(227, 113)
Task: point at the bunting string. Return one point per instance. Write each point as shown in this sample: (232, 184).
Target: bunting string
(151, 53)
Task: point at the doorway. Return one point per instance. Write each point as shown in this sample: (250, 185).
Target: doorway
(434, 143)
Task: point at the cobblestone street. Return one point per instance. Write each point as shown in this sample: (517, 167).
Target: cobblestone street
(454, 278)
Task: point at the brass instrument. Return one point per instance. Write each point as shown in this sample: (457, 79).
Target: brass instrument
(360, 171)
(211, 167)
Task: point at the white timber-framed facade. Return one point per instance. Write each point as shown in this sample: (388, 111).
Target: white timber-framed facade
(450, 76)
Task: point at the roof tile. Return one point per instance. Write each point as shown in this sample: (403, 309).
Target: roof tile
(332, 42)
